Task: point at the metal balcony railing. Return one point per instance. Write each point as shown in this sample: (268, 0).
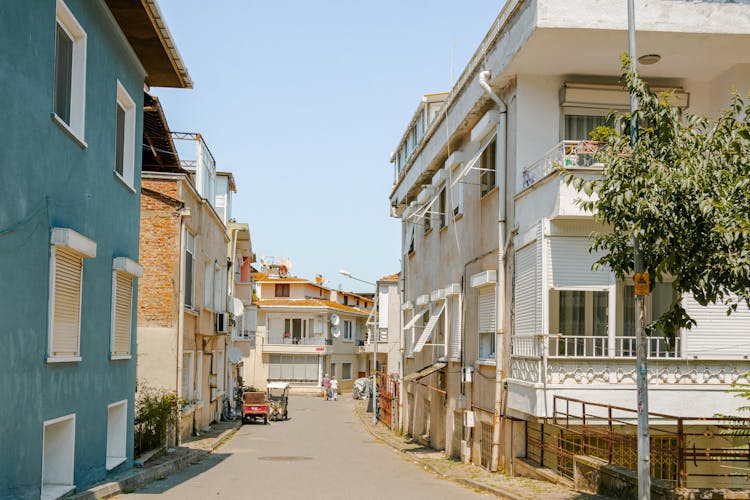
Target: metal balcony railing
(567, 154)
(587, 346)
(280, 339)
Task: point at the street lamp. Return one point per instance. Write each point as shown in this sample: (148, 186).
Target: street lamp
(346, 273)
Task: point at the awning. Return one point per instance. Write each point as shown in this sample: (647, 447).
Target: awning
(413, 377)
(414, 319)
(427, 332)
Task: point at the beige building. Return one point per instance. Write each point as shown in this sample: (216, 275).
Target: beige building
(304, 330)
(182, 304)
(507, 327)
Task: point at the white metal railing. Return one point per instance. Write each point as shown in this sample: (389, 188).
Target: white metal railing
(566, 154)
(587, 346)
(281, 339)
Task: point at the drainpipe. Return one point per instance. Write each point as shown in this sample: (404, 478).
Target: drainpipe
(501, 174)
(182, 214)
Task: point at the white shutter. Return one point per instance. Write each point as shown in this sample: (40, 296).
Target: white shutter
(717, 335)
(487, 309)
(455, 327)
(527, 283)
(427, 332)
(383, 309)
(570, 263)
(67, 303)
(122, 310)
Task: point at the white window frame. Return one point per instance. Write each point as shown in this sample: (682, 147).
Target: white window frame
(217, 370)
(198, 384)
(190, 367)
(65, 464)
(128, 154)
(130, 268)
(64, 238)
(67, 21)
(348, 331)
(189, 249)
(217, 288)
(117, 433)
(208, 280)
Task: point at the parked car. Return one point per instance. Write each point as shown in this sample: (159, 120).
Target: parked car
(362, 388)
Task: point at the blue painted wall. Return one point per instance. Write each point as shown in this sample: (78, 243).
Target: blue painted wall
(48, 180)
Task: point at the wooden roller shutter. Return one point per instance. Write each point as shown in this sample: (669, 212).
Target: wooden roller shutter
(66, 314)
(455, 328)
(122, 313)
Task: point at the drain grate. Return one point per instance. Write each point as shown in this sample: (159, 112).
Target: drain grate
(284, 458)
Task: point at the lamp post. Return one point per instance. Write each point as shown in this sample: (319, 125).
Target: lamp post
(346, 273)
(641, 363)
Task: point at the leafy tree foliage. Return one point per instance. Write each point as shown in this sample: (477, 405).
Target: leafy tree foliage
(683, 190)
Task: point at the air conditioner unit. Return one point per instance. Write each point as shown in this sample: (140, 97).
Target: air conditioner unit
(221, 323)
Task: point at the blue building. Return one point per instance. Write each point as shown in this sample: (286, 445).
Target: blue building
(72, 78)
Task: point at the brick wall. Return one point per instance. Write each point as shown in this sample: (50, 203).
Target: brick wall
(158, 289)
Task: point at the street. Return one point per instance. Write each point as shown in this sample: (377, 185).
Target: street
(322, 451)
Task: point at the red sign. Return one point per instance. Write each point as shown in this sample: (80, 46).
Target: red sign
(320, 348)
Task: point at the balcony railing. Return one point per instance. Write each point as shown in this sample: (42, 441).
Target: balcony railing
(285, 340)
(582, 346)
(567, 154)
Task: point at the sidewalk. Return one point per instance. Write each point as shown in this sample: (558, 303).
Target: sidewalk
(163, 465)
(469, 475)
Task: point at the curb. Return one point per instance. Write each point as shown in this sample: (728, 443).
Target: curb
(143, 477)
(460, 480)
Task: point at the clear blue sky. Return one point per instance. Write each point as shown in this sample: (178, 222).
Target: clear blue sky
(304, 101)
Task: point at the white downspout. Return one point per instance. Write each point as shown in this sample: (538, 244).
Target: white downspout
(500, 175)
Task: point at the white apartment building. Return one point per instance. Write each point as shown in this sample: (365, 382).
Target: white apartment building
(507, 329)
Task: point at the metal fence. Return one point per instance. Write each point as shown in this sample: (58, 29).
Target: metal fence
(684, 450)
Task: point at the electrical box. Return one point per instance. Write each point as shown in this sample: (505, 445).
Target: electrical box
(468, 419)
(461, 402)
(468, 374)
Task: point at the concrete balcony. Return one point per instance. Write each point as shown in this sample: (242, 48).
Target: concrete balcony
(603, 371)
(280, 344)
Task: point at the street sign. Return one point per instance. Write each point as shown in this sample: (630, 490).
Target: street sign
(641, 282)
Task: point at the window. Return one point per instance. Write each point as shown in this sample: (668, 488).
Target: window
(70, 72)
(122, 314)
(428, 221)
(577, 314)
(410, 239)
(217, 372)
(198, 385)
(657, 303)
(488, 168)
(457, 199)
(124, 136)
(347, 330)
(208, 280)
(297, 330)
(442, 208)
(282, 290)
(346, 371)
(218, 292)
(189, 268)
(117, 417)
(58, 456)
(578, 127)
(186, 391)
(66, 277)
(487, 322)
(333, 370)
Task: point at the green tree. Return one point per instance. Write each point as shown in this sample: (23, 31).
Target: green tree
(683, 191)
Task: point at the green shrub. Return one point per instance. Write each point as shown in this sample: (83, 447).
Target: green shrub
(156, 412)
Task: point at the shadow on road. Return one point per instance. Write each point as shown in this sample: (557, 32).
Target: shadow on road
(164, 484)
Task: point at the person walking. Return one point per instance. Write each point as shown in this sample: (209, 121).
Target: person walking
(326, 385)
(334, 387)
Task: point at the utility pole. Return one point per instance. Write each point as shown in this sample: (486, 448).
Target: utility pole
(640, 278)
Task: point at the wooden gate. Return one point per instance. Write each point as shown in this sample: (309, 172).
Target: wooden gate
(387, 398)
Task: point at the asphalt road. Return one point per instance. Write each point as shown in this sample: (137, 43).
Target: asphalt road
(321, 452)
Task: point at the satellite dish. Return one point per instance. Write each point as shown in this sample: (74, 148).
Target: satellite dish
(234, 355)
(335, 331)
(335, 319)
(262, 259)
(238, 307)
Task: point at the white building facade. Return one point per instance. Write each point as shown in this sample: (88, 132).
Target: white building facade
(506, 326)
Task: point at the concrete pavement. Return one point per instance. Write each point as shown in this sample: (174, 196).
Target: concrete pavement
(321, 452)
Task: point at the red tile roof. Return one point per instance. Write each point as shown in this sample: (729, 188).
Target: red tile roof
(390, 277)
(311, 303)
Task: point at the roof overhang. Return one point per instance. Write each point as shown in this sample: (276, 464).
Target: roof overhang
(144, 27)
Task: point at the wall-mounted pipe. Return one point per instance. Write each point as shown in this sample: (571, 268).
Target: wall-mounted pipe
(500, 175)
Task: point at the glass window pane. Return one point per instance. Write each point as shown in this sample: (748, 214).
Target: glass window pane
(572, 313)
(628, 311)
(577, 127)
(119, 139)
(63, 74)
(601, 313)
